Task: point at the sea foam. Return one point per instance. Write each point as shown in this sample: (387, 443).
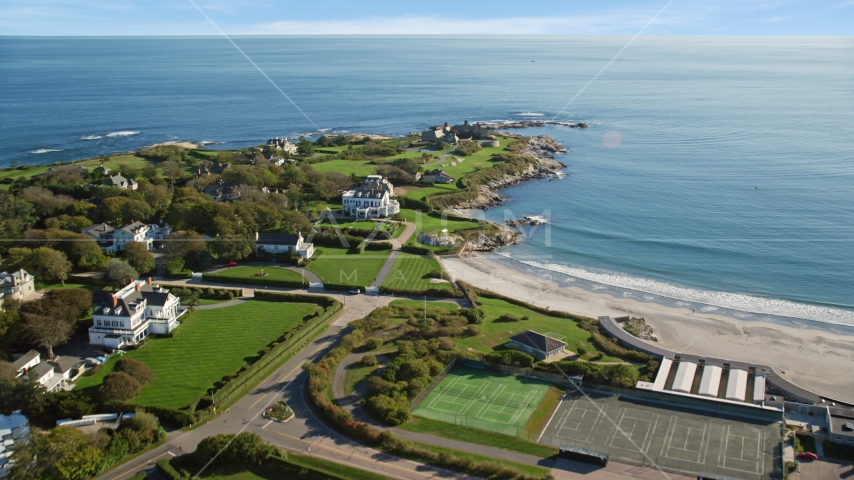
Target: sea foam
(90, 137)
(45, 150)
(531, 114)
(733, 301)
(123, 133)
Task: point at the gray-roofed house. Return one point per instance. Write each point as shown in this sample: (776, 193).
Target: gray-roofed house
(18, 285)
(133, 313)
(135, 232)
(44, 374)
(118, 180)
(437, 176)
(281, 243)
(103, 235)
(537, 344)
(371, 198)
(27, 361)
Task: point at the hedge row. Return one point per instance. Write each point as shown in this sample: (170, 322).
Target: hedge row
(379, 246)
(324, 302)
(167, 470)
(181, 274)
(225, 277)
(342, 286)
(170, 417)
(432, 292)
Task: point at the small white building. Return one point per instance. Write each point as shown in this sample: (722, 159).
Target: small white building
(133, 313)
(537, 345)
(157, 232)
(14, 429)
(370, 199)
(18, 285)
(280, 243)
(45, 374)
(137, 232)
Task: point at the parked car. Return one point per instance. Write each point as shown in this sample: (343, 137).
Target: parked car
(230, 264)
(807, 456)
(848, 426)
(93, 361)
(355, 291)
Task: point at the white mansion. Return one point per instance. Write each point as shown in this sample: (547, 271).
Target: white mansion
(371, 198)
(133, 313)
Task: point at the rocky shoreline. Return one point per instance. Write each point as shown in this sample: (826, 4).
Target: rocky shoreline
(542, 148)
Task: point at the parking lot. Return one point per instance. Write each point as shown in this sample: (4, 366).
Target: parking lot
(679, 440)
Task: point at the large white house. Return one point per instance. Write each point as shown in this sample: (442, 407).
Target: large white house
(112, 240)
(371, 198)
(282, 144)
(281, 243)
(136, 311)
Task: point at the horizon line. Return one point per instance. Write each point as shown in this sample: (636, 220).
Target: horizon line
(446, 35)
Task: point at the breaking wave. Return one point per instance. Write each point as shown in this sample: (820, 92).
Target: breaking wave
(530, 114)
(45, 150)
(123, 133)
(90, 137)
(732, 301)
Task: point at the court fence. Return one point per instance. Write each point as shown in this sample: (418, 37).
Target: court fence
(433, 383)
(472, 422)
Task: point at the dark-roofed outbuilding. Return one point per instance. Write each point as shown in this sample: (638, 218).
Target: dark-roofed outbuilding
(537, 344)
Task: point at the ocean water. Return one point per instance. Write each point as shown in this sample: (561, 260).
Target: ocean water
(717, 172)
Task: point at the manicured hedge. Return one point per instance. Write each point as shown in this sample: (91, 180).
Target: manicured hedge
(431, 292)
(379, 246)
(415, 250)
(344, 287)
(224, 277)
(166, 469)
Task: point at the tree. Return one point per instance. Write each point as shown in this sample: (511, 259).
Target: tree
(305, 148)
(46, 331)
(138, 257)
(7, 371)
(158, 196)
(68, 304)
(64, 454)
(111, 209)
(175, 265)
(10, 327)
(369, 360)
(186, 244)
(120, 272)
(16, 215)
(119, 386)
(135, 210)
(48, 264)
(233, 247)
(172, 169)
(134, 368)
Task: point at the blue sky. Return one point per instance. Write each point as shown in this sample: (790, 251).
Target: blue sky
(556, 17)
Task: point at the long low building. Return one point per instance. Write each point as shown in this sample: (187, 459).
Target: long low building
(663, 372)
(711, 381)
(736, 388)
(684, 377)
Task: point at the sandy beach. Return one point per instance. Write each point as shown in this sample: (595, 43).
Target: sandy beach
(819, 361)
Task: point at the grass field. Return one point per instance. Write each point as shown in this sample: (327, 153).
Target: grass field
(355, 374)
(362, 168)
(497, 333)
(408, 273)
(209, 345)
(478, 437)
(427, 222)
(338, 265)
(480, 399)
(420, 304)
(273, 273)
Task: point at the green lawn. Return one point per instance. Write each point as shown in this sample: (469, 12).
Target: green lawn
(479, 437)
(420, 193)
(478, 398)
(362, 168)
(209, 345)
(87, 286)
(355, 374)
(408, 273)
(418, 304)
(428, 222)
(340, 266)
(274, 273)
(496, 333)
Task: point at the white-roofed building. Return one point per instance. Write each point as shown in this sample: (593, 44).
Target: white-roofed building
(684, 377)
(711, 381)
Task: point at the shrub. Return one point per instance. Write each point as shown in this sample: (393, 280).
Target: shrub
(373, 343)
(468, 148)
(447, 344)
(525, 317)
(513, 358)
(473, 331)
(581, 350)
(95, 370)
(165, 468)
(136, 369)
(508, 318)
(474, 315)
(243, 448)
(119, 386)
(393, 411)
(369, 360)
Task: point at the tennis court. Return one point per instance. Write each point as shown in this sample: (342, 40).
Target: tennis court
(482, 399)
